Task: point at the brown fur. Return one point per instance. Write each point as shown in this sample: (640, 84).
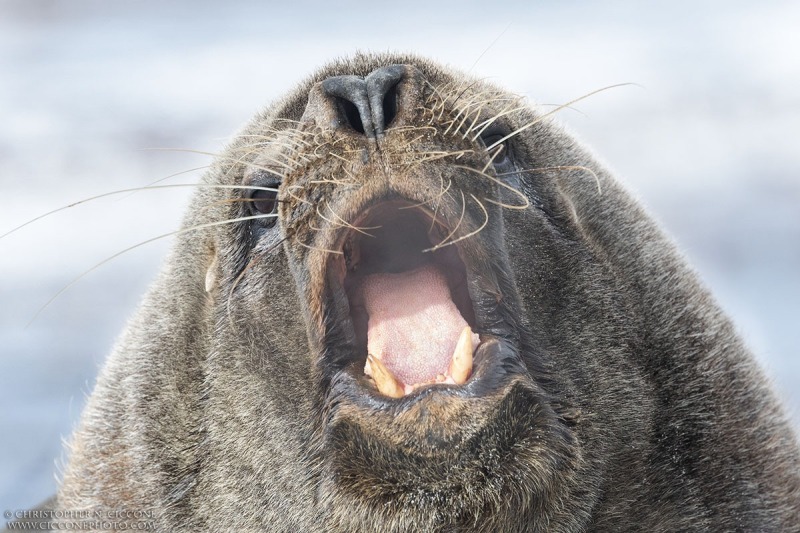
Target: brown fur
(634, 406)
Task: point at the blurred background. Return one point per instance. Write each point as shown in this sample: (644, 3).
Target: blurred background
(708, 141)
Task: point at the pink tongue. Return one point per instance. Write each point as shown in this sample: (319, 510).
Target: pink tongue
(413, 323)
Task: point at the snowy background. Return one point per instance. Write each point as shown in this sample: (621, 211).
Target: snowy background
(708, 140)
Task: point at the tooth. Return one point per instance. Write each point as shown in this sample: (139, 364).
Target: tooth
(384, 380)
(461, 365)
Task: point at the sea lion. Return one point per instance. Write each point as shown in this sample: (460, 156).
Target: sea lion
(405, 300)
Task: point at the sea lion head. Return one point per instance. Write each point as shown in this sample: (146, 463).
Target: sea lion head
(410, 204)
(404, 298)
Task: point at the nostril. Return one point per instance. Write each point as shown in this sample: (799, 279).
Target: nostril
(382, 88)
(367, 105)
(390, 106)
(349, 111)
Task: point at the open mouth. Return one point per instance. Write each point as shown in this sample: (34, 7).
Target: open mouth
(408, 303)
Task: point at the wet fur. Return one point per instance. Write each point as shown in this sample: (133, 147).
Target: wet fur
(645, 412)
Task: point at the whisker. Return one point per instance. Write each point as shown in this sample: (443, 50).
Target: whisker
(492, 120)
(289, 190)
(480, 105)
(492, 158)
(217, 203)
(499, 182)
(472, 126)
(168, 177)
(459, 111)
(442, 192)
(468, 235)
(463, 92)
(434, 91)
(107, 259)
(252, 148)
(223, 156)
(347, 224)
(304, 245)
(556, 110)
(434, 155)
(288, 164)
(339, 224)
(294, 134)
(439, 201)
(412, 141)
(476, 100)
(453, 231)
(288, 120)
(489, 47)
(481, 100)
(333, 181)
(134, 189)
(414, 128)
(575, 109)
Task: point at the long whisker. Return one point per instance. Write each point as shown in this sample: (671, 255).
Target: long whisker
(453, 231)
(292, 187)
(434, 155)
(499, 182)
(478, 101)
(290, 121)
(439, 200)
(468, 235)
(441, 100)
(554, 111)
(346, 161)
(168, 177)
(492, 158)
(414, 128)
(485, 50)
(342, 221)
(331, 181)
(294, 135)
(463, 92)
(134, 189)
(347, 224)
(472, 125)
(287, 162)
(165, 235)
(205, 208)
(223, 156)
(304, 245)
(409, 143)
(488, 122)
(480, 105)
(575, 109)
(442, 192)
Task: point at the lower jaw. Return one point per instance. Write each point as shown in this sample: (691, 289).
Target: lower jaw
(444, 445)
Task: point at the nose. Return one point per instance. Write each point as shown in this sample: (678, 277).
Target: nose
(367, 105)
